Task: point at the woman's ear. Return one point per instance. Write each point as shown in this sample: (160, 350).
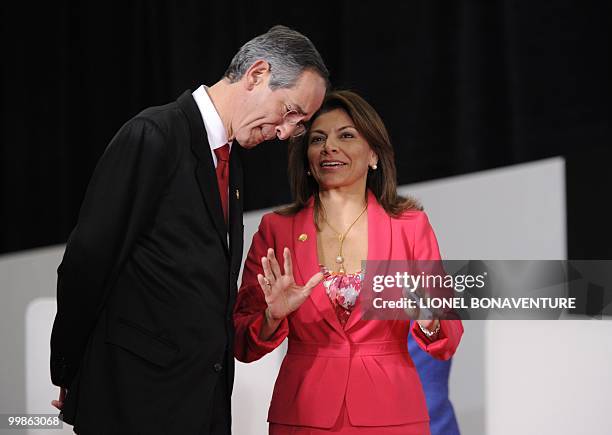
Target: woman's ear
(373, 159)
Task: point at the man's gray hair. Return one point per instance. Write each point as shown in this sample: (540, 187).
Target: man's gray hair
(288, 52)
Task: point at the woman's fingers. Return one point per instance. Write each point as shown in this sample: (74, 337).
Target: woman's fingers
(274, 283)
(274, 263)
(312, 282)
(288, 265)
(268, 274)
(300, 294)
(265, 285)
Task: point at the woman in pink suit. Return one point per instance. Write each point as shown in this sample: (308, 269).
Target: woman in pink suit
(341, 374)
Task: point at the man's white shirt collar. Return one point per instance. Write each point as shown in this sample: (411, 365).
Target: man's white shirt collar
(215, 131)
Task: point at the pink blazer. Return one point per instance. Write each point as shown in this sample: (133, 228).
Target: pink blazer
(366, 363)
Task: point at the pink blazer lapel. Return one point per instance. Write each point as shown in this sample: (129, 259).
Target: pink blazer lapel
(379, 245)
(306, 262)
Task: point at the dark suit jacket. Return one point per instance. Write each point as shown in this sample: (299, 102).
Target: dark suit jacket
(143, 330)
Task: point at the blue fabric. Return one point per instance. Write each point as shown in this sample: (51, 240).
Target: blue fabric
(434, 377)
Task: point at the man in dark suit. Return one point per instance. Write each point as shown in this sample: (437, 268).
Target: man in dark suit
(142, 339)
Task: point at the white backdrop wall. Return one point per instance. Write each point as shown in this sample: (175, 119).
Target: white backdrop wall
(508, 377)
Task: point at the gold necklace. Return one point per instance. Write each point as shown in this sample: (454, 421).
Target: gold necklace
(342, 236)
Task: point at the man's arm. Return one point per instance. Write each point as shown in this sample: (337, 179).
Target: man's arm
(120, 199)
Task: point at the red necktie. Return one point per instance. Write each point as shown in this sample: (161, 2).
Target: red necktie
(222, 154)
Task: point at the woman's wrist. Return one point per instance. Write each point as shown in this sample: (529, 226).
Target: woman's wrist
(270, 318)
(431, 330)
(269, 326)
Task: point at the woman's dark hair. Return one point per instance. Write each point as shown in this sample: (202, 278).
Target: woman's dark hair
(382, 181)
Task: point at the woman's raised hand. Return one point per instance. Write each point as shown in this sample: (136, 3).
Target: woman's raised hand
(282, 294)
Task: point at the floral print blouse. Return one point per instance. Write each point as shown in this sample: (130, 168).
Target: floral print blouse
(343, 290)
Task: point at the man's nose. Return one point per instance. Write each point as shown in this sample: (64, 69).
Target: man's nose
(284, 131)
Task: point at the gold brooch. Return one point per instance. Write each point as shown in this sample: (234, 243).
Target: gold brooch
(303, 237)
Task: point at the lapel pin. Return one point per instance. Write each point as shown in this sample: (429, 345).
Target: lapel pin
(303, 237)
(237, 194)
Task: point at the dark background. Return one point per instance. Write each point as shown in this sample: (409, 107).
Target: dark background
(461, 85)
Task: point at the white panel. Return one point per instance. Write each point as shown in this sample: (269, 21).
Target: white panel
(515, 212)
(511, 213)
(549, 377)
(254, 382)
(39, 390)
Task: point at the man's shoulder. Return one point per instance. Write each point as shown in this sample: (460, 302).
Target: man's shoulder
(163, 111)
(157, 131)
(167, 117)
(164, 117)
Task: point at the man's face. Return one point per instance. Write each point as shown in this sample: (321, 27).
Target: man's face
(261, 117)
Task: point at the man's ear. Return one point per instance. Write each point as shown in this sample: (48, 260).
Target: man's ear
(257, 74)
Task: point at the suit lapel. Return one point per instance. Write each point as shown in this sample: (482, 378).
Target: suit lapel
(379, 245)
(235, 203)
(205, 171)
(306, 262)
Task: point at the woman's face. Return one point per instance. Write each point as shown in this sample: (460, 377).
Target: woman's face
(338, 156)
